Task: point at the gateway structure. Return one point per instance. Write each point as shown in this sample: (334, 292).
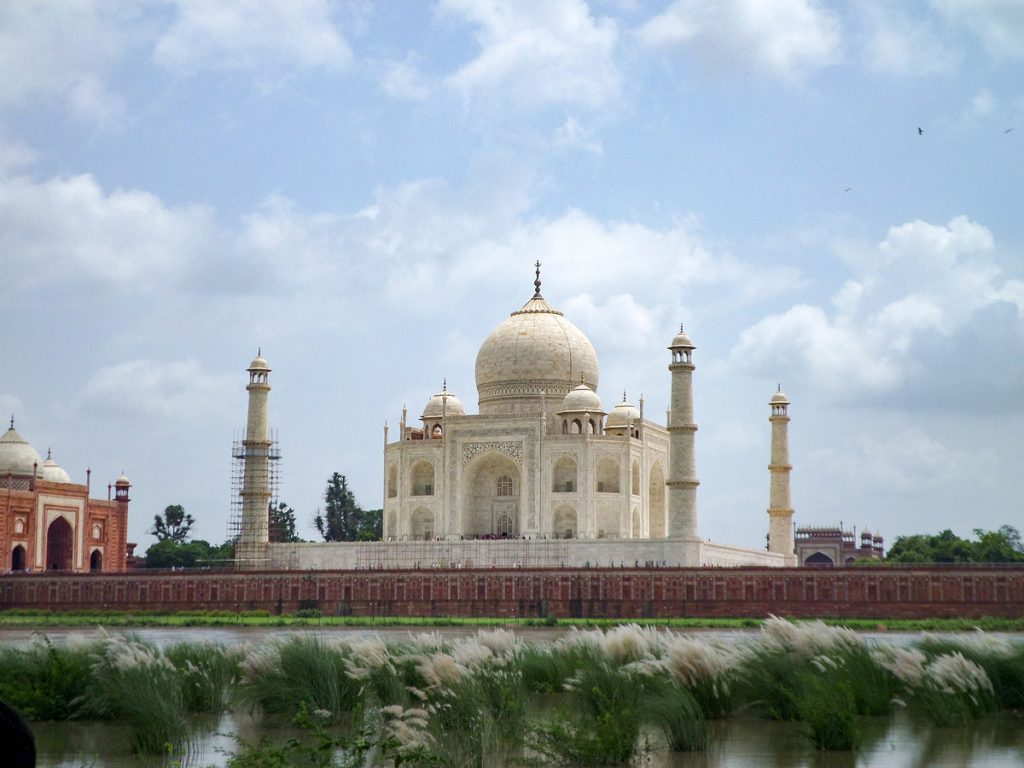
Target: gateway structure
(544, 475)
(48, 522)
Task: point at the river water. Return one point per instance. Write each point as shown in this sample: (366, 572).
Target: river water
(895, 742)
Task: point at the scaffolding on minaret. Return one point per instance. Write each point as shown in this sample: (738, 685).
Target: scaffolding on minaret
(234, 528)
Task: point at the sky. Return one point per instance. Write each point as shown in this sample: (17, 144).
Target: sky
(827, 194)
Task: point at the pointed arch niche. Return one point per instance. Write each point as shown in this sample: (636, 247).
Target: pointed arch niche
(563, 475)
(18, 558)
(422, 476)
(564, 523)
(422, 524)
(608, 475)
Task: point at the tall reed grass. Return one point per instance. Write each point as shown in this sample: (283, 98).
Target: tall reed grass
(46, 681)
(588, 697)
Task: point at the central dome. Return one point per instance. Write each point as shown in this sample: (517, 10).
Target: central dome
(536, 350)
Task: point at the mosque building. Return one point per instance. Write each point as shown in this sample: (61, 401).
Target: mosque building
(544, 474)
(49, 523)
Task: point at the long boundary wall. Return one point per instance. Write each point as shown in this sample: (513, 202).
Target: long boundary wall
(525, 593)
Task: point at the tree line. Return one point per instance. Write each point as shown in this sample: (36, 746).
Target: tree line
(1003, 545)
(342, 519)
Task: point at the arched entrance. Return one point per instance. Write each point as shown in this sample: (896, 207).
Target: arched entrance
(819, 558)
(18, 558)
(491, 491)
(656, 503)
(96, 560)
(60, 538)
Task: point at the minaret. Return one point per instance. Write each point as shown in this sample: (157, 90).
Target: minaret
(251, 551)
(119, 525)
(682, 474)
(780, 510)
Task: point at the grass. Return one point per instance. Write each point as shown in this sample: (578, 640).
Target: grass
(602, 724)
(590, 697)
(302, 673)
(45, 618)
(45, 681)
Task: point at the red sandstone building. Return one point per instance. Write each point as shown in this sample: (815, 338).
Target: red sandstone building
(49, 523)
(835, 546)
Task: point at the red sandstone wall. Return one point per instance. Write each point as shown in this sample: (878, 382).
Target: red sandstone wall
(593, 593)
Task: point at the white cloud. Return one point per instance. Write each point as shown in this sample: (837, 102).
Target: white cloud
(923, 280)
(404, 80)
(15, 155)
(619, 321)
(788, 38)
(178, 389)
(62, 51)
(897, 464)
(572, 135)
(65, 228)
(999, 24)
(897, 43)
(534, 54)
(252, 35)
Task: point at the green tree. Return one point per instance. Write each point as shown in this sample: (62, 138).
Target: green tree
(281, 527)
(174, 525)
(1002, 546)
(339, 520)
(191, 554)
(371, 525)
(343, 519)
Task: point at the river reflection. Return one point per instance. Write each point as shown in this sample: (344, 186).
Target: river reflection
(996, 742)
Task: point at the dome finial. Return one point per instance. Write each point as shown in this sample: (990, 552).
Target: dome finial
(780, 386)
(49, 456)
(536, 283)
(444, 384)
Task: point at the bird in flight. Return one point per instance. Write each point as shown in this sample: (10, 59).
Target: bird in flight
(1008, 130)
(847, 189)
(920, 131)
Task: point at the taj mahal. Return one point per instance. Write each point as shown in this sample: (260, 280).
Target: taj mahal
(544, 475)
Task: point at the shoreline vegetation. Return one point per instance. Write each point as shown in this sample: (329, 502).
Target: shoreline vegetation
(597, 696)
(29, 618)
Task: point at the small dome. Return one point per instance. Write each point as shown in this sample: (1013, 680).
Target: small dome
(17, 457)
(444, 403)
(259, 364)
(582, 399)
(681, 340)
(622, 415)
(122, 480)
(779, 398)
(53, 473)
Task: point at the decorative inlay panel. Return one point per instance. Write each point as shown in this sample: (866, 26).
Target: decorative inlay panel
(512, 449)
